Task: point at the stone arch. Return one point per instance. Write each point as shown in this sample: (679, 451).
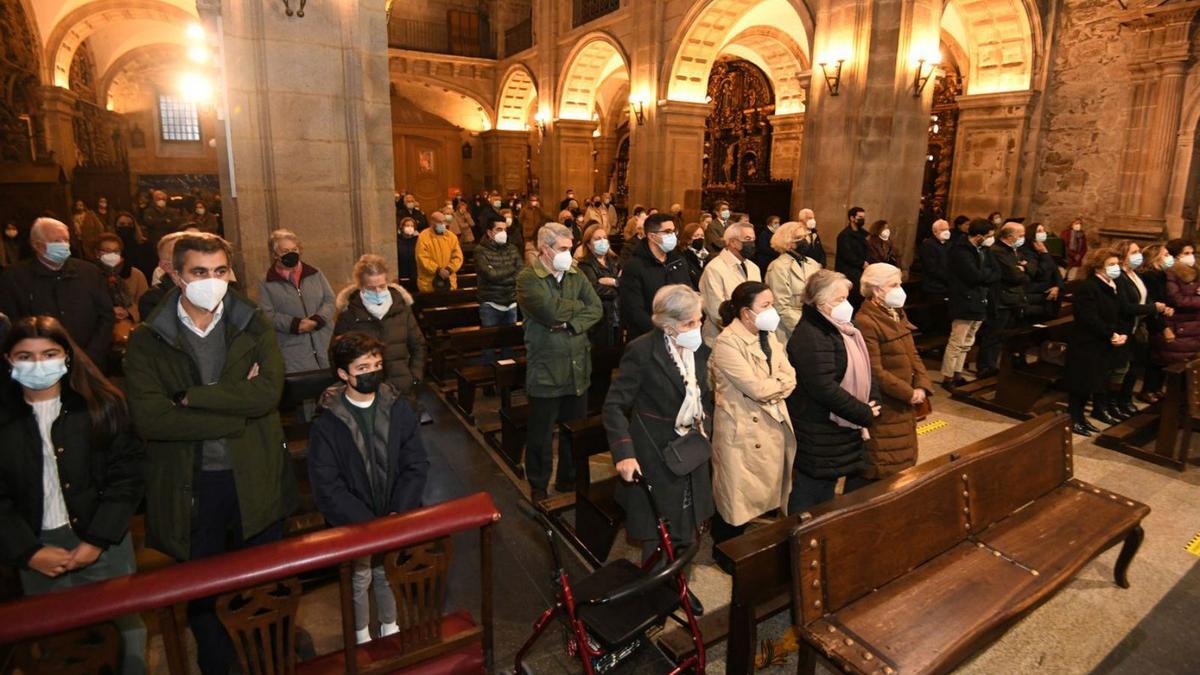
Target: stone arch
(1000, 38)
(518, 93)
(125, 69)
(442, 96)
(595, 57)
(760, 31)
(80, 24)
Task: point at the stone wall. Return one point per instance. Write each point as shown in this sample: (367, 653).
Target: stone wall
(1087, 100)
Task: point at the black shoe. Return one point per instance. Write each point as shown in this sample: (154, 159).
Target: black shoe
(1080, 430)
(1089, 426)
(697, 608)
(1127, 408)
(1103, 417)
(1115, 412)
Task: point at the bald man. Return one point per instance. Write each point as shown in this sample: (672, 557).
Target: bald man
(52, 283)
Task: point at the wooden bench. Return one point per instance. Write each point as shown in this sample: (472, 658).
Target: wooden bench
(453, 348)
(473, 376)
(926, 567)
(462, 296)
(1162, 433)
(598, 517)
(436, 321)
(1020, 389)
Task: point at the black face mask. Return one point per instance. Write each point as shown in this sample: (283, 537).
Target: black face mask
(860, 221)
(748, 248)
(368, 383)
(290, 259)
(698, 245)
(801, 247)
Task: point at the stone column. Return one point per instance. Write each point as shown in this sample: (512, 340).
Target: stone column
(505, 153)
(676, 137)
(1159, 152)
(58, 114)
(787, 146)
(987, 152)
(605, 148)
(571, 141)
(310, 131)
(867, 145)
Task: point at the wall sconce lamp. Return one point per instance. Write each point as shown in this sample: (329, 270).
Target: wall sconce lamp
(638, 108)
(833, 82)
(540, 120)
(287, 8)
(921, 77)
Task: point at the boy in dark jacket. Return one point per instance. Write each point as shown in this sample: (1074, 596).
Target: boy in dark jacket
(365, 461)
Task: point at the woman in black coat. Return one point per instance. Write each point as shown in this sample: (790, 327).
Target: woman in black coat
(1137, 310)
(1094, 334)
(1156, 261)
(694, 252)
(59, 414)
(642, 414)
(1044, 290)
(826, 450)
(601, 267)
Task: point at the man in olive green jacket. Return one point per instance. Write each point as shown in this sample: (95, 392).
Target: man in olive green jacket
(204, 376)
(559, 306)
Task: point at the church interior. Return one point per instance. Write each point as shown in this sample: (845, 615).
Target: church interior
(523, 184)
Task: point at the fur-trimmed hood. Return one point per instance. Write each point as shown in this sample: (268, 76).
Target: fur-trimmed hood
(343, 296)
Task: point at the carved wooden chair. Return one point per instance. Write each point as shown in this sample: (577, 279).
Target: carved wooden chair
(94, 650)
(262, 624)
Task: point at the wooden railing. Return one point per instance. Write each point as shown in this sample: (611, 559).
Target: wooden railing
(519, 38)
(590, 10)
(161, 591)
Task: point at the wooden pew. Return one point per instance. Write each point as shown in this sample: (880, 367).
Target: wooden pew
(473, 376)
(452, 348)
(598, 517)
(1162, 433)
(1020, 389)
(968, 529)
(435, 321)
(424, 301)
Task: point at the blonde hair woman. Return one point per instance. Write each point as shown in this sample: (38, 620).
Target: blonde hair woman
(788, 274)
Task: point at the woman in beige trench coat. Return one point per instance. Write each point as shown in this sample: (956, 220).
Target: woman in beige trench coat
(753, 443)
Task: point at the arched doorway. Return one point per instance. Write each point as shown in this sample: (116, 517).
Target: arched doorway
(737, 136)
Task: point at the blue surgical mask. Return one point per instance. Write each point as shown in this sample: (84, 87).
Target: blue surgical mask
(1168, 262)
(1135, 260)
(375, 297)
(57, 252)
(39, 375)
(600, 247)
(1112, 271)
(439, 228)
(669, 241)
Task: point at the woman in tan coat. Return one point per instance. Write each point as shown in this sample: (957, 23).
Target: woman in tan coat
(753, 445)
(788, 274)
(896, 366)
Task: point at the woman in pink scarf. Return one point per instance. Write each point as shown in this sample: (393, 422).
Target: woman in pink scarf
(835, 399)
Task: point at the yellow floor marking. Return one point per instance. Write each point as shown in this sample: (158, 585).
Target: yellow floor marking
(1193, 546)
(931, 426)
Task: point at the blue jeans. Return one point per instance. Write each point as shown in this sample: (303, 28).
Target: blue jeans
(489, 317)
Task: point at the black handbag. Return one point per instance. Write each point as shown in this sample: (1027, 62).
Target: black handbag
(684, 453)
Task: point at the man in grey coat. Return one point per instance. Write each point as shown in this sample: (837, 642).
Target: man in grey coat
(299, 302)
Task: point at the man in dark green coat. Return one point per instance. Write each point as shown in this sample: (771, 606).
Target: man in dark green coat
(204, 376)
(559, 306)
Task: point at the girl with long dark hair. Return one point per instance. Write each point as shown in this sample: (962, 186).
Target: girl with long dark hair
(71, 470)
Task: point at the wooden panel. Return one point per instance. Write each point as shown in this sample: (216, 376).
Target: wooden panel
(1016, 472)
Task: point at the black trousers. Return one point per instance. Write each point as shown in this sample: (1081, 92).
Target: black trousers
(217, 528)
(991, 339)
(1078, 402)
(808, 492)
(544, 414)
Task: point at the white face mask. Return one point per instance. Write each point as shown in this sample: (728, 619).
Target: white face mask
(842, 312)
(689, 340)
(110, 259)
(724, 215)
(508, 220)
(767, 320)
(895, 298)
(885, 235)
(944, 235)
(206, 294)
(811, 224)
(1041, 237)
(1188, 260)
(989, 241)
(562, 261)
(500, 238)
(669, 242)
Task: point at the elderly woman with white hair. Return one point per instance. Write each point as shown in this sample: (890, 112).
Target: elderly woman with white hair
(299, 301)
(662, 397)
(788, 274)
(895, 366)
(836, 398)
(816, 250)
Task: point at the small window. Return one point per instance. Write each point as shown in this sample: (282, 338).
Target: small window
(178, 119)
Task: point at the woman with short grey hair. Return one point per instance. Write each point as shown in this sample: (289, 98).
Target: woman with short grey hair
(835, 400)
(661, 393)
(299, 301)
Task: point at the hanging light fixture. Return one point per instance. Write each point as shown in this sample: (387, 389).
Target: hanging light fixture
(299, 12)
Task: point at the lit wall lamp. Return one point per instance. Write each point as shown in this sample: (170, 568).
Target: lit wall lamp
(921, 77)
(638, 108)
(833, 82)
(540, 120)
(299, 11)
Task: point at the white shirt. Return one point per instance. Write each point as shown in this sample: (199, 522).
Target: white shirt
(190, 325)
(54, 507)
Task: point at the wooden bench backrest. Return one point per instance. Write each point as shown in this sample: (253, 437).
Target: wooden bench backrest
(1193, 388)
(878, 536)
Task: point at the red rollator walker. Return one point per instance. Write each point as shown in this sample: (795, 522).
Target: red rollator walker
(607, 613)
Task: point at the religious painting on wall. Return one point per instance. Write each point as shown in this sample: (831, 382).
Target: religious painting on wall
(737, 133)
(425, 162)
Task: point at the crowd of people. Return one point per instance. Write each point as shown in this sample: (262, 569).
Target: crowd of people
(754, 380)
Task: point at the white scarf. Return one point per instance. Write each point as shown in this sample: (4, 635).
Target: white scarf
(691, 412)
(379, 311)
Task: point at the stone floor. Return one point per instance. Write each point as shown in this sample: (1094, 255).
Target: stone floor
(1072, 633)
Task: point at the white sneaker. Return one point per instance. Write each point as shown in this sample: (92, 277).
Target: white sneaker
(362, 635)
(386, 629)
